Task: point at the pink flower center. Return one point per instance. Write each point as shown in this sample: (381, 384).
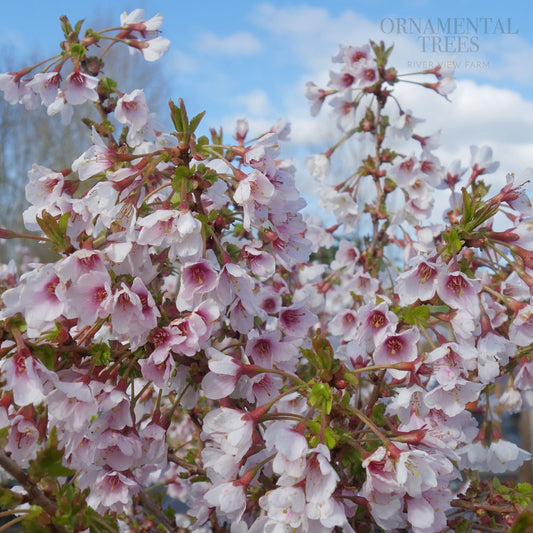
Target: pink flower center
(269, 304)
(357, 56)
(78, 79)
(425, 272)
(370, 74)
(291, 316)
(124, 300)
(159, 337)
(99, 295)
(347, 79)
(88, 261)
(50, 184)
(51, 286)
(457, 284)
(144, 301)
(377, 319)
(407, 165)
(20, 363)
(348, 319)
(262, 348)
(53, 81)
(130, 106)
(394, 345)
(198, 276)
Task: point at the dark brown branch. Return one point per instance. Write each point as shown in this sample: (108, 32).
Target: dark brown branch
(149, 505)
(473, 506)
(193, 470)
(35, 495)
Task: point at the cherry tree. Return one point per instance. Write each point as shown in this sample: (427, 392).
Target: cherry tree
(202, 357)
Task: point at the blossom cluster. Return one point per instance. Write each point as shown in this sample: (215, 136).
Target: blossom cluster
(198, 334)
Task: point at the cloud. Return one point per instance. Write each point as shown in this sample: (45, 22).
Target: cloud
(180, 63)
(255, 103)
(238, 44)
(478, 114)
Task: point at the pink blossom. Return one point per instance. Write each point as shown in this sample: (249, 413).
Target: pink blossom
(318, 166)
(13, 87)
(376, 321)
(131, 109)
(481, 160)
(452, 400)
(521, 329)
(24, 375)
(119, 450)
(261, 263)
(344, 324)
(158, 371)
(153, 49)
(417, 283)
(98, 158)
(321, 478)
(110, 490)
(284, 506)
(229, 498)
(46, 84)
(459, 291)
(223, 376)
(230, 429)
(22, 442)
(90, 298)
(397, 348)
(194, 329)
(71, 403)
(80, 87)
(197, 278)
(315, 96)
(296, 320)
(136, 21)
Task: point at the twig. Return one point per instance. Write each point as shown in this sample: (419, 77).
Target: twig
(35, 495)
(149, 505)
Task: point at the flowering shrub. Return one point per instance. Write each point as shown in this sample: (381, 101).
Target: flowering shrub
(202, 357)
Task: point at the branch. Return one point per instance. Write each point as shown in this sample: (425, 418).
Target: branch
(35, 495)
(473, 506)
(149, 505)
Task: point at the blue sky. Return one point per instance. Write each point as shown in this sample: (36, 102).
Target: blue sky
(251, 60)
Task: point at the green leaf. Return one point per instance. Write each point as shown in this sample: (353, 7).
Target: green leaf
(329, 438)
(378, 414)
(101, 353)
(46, 354)
(175, 116)
(78, 26)
(78, 51)
(416, 315)
(324, 351)
(48, 462)
(523, 523)
(181, 173)
(454, 242)
(108, 84)
(321, 397)
(195, 121)
(467, 207)
(314, 426)
(66, 26)
(56, 230)
(9, 499)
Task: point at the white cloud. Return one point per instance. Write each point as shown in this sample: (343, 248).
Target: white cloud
(255, 103)
(238, 44)
(478, 114)
(180, 62)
